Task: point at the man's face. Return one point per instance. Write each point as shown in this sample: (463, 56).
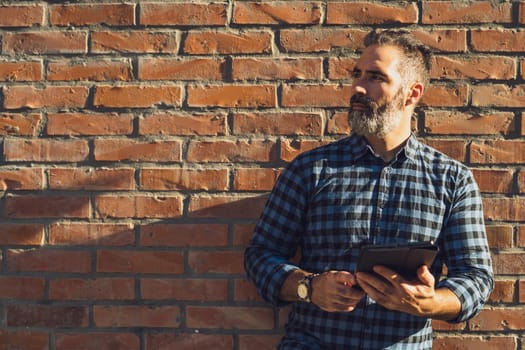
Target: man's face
(378, 96)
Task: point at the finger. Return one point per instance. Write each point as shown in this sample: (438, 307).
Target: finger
(425, 276)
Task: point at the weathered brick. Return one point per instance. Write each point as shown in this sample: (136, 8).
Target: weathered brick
(92, 289)
(22, 234)
(456, 149)
(500, 236)
(520, 239)
(20, 70)
(497, 152)
(230, 262)
(450, 95)
(50, 96)
(207, 124)
(45, 150)
(45, 206)
(89, 124)
(273, 69)
(236, 96)
(230, 317)
(438, 12)
(183, 14)
(495, 40)
(91, 234)
(137, 150)
(231, 151)
(499, 319)
(183, 235)
(45, 42)
(97, 341)
(277, 12)
(136, 96)
(17, 124)
(457, 123)
(498, 95)
(125, 316)
(160, 68)
(292, 148)
(25, 339)
(216, 42)
(138, 206)
(137, 261)
(21, 288)
(134, 41)
(188, 341)
(52, 316)
(494, 180)
(443, 342)
(474, 67)
(226, 207)
(320, 40)
(176, 179)
(447, 40)
(89, 69)
(507, 209)
(325, 95)
(89, 14)
(99, 179)
(48, 260)
(278, 123)
(521, 182)
(259, 341)
(340, 68)
(370, 13)
(504, 291)
(25, 15)
(337, 124)
(244, 290)
(242, 234)
(200, 290)
(21, 179)
(255, 179)
(521, 12)
(521, 297)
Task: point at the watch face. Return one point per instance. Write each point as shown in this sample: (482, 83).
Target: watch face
(302, 291)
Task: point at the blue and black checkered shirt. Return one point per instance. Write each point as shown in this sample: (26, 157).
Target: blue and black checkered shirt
(331, 200)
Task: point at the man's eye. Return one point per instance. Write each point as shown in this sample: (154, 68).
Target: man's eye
(377, 77)
(355, 74)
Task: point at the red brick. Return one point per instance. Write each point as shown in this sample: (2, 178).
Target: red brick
(459, 123)
(500, 236)
(522, 68)
(509, 263)
(226, 207)
(89, 14)
(320, 40)
(44, 206)
(448, 40)
(450, 95)
(230, 262)
(136, 261)
(273, 69)
(456, 149)
(504, 209)
(322, 95)
(20, 179)
(200, 290)
(92, 234)
(499, 319)
(181, 69)
(292, 148)
(259, 342)
(48, 260)
(521, 182)
(523, 120)
(522, 12)
(27, 340)
(494, 180)
(97, 341)
(522, 292)
(137, 316)
(21, 16)
(242, 234)
(183, 14)
(20, 70)
(135, 41)
(238, 96)
(208, 43)
(446, 342)
(93, 70)
(137, 150)
(50, 96)
(183, 179)
(498, 95)
(277, 12)
(137, 96)
(439, 325)
(22, 234)
(138, 206)
(45, 150)
(89, 124)
(184, 235)
(340, 68)
(474, 67)
(99, 179)
(278, 123)
(495, 40)
(22, 288)
(520, 240)
(45, 42)
(370, 13)
(231, 151)
(255, 179)
(244, 290)
(438, 12)
(186, 341)
(92, 289)
(230, 317)
(337, 124)
(504, 291)
(497, 151)
(16, 124)
(209, 124)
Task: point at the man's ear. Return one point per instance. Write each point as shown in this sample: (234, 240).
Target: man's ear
(414, 94)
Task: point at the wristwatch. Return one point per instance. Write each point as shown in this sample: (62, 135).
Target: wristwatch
(304, 287)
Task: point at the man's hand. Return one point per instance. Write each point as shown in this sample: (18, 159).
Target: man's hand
(416, 297)
(333, 291)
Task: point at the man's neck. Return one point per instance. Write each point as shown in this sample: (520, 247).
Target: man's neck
(388, 146)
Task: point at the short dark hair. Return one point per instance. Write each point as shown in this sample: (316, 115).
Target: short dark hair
(417, 54)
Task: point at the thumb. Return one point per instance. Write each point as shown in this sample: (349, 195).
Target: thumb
(425, 276)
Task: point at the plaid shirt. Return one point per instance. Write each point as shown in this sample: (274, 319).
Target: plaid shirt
(331, 200)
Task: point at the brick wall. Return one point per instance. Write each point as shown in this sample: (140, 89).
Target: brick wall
(139, 140)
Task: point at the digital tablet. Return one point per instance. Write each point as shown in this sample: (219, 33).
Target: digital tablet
(405, 259)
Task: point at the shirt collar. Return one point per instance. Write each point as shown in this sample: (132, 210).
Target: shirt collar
(360, 147)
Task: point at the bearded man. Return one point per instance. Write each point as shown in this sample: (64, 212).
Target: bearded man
(380, 185)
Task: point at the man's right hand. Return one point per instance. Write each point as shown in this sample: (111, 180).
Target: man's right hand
(334, 291)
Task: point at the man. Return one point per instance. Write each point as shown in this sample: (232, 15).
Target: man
(380, 185)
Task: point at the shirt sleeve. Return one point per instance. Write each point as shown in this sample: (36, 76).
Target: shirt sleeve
(466, 251)
(277, 235)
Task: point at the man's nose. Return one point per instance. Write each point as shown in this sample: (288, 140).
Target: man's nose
(358, 88)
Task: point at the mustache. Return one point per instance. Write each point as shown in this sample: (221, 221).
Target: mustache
(362, 99)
